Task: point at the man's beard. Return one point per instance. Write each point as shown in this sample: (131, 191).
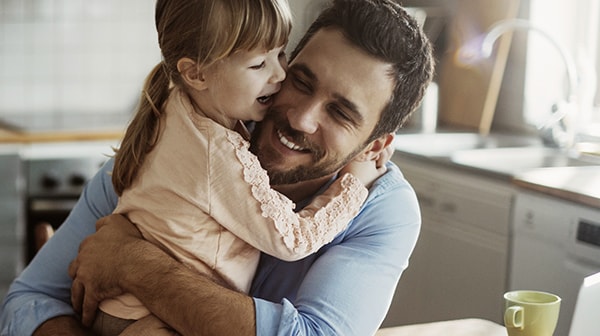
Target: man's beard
(314, 170)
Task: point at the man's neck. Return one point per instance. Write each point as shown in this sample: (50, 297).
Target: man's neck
(300, 191)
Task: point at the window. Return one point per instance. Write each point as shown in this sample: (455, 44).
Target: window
(575, 26)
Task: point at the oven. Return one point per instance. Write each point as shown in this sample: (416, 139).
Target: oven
(55, 175)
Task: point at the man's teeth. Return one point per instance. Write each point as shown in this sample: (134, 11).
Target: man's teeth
(288, 143)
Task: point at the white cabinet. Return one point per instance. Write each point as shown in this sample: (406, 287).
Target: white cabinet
(459, 266)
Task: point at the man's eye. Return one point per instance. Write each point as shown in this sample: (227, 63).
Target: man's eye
(339, 114)
(300, 84)
(259, 66)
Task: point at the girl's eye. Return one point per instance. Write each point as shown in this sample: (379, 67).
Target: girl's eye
(259, 66)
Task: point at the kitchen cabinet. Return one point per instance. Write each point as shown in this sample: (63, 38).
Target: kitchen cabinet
(459, 268)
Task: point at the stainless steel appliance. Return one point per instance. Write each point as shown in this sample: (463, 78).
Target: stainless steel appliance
(556, 245)
(55, 174)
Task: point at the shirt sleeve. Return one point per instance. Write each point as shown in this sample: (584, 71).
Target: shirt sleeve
(349, 287)
(241, 194)
(43, 290)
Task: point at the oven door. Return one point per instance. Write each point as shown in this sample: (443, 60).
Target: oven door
(44, 215)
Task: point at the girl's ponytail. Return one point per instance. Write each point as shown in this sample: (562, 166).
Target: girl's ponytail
(143, 131)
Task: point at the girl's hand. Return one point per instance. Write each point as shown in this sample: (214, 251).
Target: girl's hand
(366, 171)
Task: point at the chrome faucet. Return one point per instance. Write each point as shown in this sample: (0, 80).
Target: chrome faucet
(557, 130)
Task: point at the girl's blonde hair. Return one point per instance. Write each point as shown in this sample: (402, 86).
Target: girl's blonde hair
(205, 31)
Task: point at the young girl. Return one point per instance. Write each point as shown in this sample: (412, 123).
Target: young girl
(184, 173)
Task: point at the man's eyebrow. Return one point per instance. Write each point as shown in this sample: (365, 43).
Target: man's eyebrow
(301, 67)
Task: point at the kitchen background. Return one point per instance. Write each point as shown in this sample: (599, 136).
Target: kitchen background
(78, 65)
(68, 64)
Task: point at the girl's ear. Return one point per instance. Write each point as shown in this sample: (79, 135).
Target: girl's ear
(372, 151)
(191, 73)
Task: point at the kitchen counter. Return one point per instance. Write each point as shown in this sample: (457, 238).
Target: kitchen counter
(576, 184)
(7, 136)
(519, 160)
(462, 327)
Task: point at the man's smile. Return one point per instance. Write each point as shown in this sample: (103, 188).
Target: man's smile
(289, 144)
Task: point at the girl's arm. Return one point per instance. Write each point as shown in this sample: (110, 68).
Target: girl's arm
(266, 219)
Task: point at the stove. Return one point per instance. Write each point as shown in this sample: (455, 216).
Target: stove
(55, 174)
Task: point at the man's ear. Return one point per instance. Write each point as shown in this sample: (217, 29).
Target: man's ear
(372, 151)
(191, 73)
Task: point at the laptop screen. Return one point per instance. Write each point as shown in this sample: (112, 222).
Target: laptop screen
(586, 317)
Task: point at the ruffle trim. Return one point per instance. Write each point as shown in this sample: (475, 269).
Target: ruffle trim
(312, 232)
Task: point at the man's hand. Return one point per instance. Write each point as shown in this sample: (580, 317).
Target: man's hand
(95, 275)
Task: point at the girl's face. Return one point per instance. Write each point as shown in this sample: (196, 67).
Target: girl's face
(241, 86)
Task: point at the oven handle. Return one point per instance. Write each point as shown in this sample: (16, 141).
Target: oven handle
(53, 205)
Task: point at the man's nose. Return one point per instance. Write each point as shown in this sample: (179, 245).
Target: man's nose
(305, 117)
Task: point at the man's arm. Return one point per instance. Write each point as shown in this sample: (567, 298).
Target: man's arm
(42, 291)
(346, 291)
(348, 288)
(191, 303)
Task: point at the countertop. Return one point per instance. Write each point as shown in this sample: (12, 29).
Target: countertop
(7, 136)
(462, 327)
(569, 179)
(576, 184)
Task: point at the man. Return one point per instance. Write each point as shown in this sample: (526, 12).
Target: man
(355, 77)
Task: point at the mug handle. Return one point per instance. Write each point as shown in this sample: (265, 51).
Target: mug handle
(513, 317)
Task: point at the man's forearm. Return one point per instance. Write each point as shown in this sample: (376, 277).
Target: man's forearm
(62, 326)
(191, 303)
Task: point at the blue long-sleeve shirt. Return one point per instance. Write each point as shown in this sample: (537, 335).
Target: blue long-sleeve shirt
(343, 289)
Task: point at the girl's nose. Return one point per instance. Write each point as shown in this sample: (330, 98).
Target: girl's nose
(279, 71)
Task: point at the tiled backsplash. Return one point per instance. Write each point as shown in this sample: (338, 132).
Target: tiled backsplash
(64, 61)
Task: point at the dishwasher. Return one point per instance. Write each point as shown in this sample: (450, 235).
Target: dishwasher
(555, 245)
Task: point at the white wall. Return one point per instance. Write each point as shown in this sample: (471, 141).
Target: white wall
(305, 11)
(63, 59)
(67, 62)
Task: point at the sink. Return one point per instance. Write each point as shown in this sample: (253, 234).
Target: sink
(515, 160)
(445, 144)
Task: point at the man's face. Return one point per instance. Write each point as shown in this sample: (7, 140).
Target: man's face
(326, 109)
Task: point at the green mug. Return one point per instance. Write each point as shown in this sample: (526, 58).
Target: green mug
(531, 313)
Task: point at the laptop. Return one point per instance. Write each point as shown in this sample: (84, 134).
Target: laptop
(586, 317)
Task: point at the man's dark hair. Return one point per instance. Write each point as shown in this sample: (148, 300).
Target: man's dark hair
(383, 29)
